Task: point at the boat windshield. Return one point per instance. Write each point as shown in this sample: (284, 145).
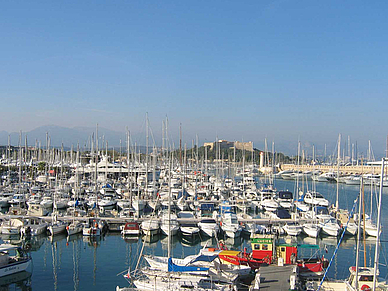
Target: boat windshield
(185, 215)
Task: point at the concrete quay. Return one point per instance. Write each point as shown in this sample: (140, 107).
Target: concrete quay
(123, 220)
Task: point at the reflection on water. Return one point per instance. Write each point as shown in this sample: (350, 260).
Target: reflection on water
(21, 280)
(164, 242)
(189, 241)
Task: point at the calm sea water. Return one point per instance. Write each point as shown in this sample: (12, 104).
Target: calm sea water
(80, 263)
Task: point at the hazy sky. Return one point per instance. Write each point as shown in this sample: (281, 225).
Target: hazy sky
(235, 69)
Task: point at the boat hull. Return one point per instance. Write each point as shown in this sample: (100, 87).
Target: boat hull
(14, 268)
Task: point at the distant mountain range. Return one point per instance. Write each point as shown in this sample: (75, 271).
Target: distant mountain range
(82, 135)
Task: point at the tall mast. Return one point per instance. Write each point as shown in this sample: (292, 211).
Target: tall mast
(20, 160)
(338, 163)
(146, 157)
(96, 166)
(180, 144)
(376, 263)
(128, 169)
(297, 176)
(169, 207)
(386, 149)
(360, 201)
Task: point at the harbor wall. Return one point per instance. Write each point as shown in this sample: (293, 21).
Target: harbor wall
(360, 169)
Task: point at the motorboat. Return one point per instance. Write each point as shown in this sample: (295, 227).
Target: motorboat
(74, 228)
(131, 228)
(325, 177)
(34, 199)
(12, 226)
(311, 229)
(107, 202)
(269, 204)
(36, 209)
(315, 198)
(124, 203)
(293, 229)
(18, 199)
(370, 227)
(13, 259)
(301, 206)
(91, 228)
(209, 226)
(285, 199)
(189, 228)
(169, 224)
(57, 226)
(34, 227)
(47, 202)
(230, 225)
(349, 225)
(329, 226)
(150, 226)
(4, 199)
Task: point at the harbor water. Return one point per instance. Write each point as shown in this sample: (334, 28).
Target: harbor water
(82, 263)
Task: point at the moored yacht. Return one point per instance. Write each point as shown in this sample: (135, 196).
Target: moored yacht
(209, 226)
(230, 225)
(13, 263)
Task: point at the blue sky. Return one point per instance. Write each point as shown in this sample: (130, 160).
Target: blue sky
(233, 69)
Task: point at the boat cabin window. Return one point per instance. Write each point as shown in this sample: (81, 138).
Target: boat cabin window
(264, 247)
(366, 278)
(208, 221)
(282, 249)
(257, 247)
(322, 210)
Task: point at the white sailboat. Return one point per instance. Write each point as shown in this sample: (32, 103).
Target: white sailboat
(75, 226)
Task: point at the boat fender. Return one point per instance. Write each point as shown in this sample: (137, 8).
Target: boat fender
(67, 227)
(212, 249)
(220, 223)
(365, 288)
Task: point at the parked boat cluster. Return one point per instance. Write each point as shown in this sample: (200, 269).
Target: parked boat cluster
(201, 199)
(167, 197)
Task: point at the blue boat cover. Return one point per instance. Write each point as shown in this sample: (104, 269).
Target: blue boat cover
(176, 268)
(207, 206)
(204, 258)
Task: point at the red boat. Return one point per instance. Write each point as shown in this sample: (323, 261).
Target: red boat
(266, 248)
(239, 258)
(131, 228)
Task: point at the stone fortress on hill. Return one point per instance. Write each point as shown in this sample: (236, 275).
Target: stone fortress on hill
(224, 144)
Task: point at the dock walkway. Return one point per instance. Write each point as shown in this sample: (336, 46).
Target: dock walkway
(274, 277)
